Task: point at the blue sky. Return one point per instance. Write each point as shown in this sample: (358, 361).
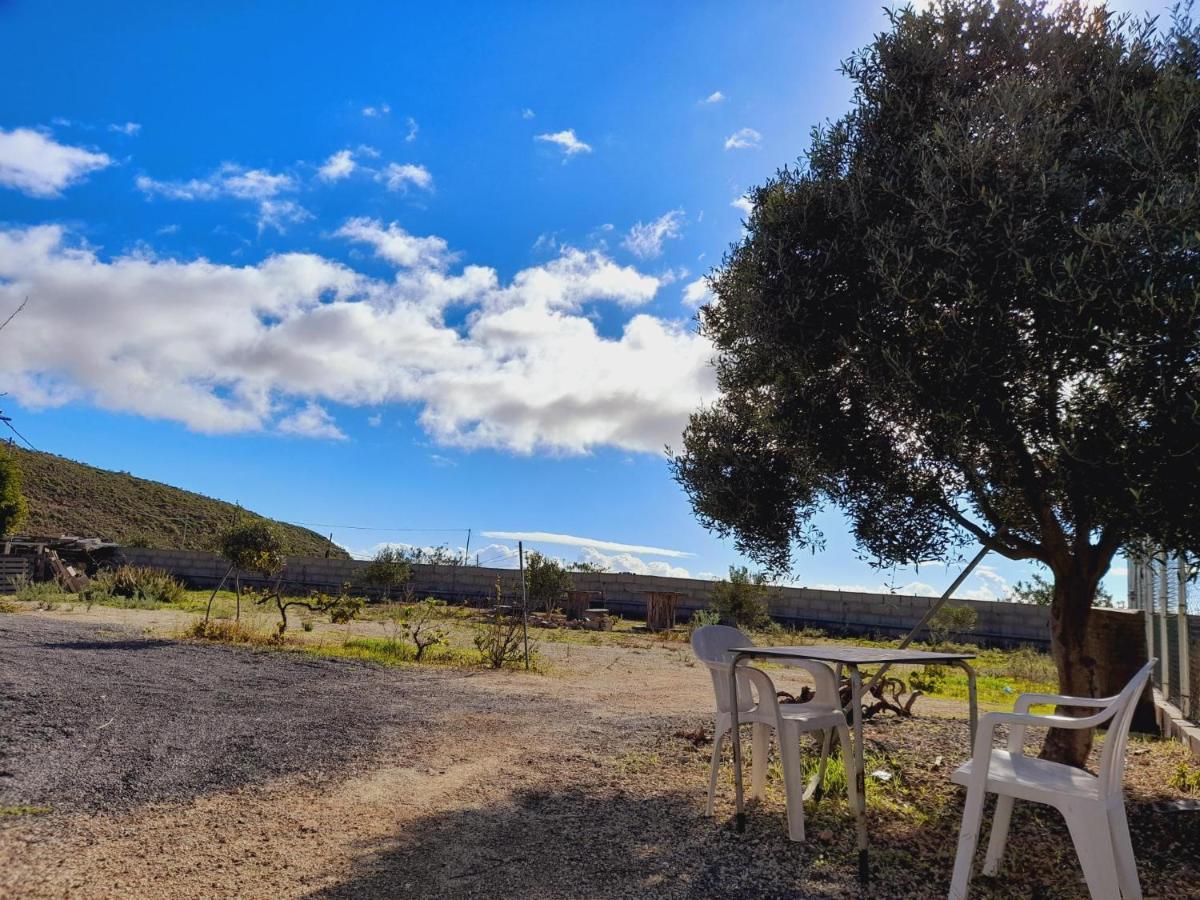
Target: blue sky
(401, 267)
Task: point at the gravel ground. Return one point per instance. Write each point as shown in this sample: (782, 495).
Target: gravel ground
(102, 719)
(182, 770)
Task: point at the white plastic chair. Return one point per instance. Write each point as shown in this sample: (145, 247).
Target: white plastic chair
(759, 707)
(1094, 806)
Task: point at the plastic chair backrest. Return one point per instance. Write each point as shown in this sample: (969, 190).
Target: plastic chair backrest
(1112, 757)
(712, 644)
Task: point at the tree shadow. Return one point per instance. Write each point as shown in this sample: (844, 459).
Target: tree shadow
(129, 644)
(579, 842)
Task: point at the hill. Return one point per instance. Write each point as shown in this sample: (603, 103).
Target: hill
(67, 497)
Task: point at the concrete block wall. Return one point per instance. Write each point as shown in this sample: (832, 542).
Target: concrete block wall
(837, 611)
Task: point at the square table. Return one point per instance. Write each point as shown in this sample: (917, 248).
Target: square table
(852, 658)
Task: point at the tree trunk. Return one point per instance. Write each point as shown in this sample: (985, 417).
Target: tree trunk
(1079, 673)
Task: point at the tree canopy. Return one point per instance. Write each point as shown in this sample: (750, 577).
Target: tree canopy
(13, 509)
(970, 312)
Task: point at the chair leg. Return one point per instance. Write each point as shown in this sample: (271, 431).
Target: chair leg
(793, 782)
(999, 836)
(1118, 826)
(760, 743)
(848, 766)
(968, 835)
(718, 740)
(1093, 844)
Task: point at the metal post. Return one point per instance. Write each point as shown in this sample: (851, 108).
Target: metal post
(1185, 680)
(1165, 651)
(524, 603)
(860, 776)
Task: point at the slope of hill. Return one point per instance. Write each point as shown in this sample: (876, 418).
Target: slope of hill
(66, 497)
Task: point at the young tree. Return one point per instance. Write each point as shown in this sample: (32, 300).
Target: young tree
(388, 571)
(546, 581)
(12, 502)
(741, 600)
(250, 547)
(972, 312)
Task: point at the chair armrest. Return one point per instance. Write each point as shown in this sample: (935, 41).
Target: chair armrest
(1027, 700)
(763, 683)
(1018, 721)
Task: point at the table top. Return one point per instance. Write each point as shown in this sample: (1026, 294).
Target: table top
(852, 656)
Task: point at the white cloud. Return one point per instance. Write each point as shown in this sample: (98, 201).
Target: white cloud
(395, 244)
(413, 129)
(398, 177)
(567, 141)
(743, 139)
(627, 562)
(527, 113)
(375, 112)
(39, 166)
(714, 97)
(571, 540)
(375, 421)
(278, 214)
(338, 166)
(645, 240)
(696, 293)
(311, 421)
(745, 204)
(129, 129)
(230, 180)
(514, 365)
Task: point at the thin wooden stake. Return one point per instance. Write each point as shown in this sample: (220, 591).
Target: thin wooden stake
(524, 603)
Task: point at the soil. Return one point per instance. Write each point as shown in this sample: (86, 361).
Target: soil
(173, 769)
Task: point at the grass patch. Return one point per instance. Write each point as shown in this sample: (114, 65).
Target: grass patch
(24, 811)
(395, 653)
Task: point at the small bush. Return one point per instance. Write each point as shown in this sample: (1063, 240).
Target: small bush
(929, 680)
(1186, 779)
(951, 620)
(741, 600)
(44, 593)
(702, 617)
(1028, 664)
(7, 606)
(227, 632)
(145, 586)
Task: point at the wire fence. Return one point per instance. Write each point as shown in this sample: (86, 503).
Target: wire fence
(1165, 587)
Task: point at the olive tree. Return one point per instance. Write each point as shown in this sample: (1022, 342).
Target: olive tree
(546, 581)
(970, 312)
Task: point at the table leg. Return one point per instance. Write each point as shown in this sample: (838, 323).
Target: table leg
(860, 775)
(735, 732)
(972, 698)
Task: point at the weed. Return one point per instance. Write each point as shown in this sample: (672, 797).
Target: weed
(702, 617)
(1186, 779)
(141, 586)
(7, 606)
(45, 594)
(226, 632)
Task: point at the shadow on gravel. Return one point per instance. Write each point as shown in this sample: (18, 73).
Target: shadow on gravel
(147, 644)
(585, 843)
